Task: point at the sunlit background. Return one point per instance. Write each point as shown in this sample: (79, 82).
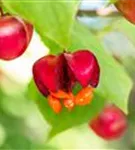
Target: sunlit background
(21, 124)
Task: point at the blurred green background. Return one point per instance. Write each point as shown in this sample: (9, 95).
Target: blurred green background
(22, 125)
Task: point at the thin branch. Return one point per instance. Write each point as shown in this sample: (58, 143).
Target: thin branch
(93, 13)
(1, 12)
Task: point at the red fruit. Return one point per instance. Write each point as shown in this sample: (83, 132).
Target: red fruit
(55, 73)
(84, 66)
(47, 73)
(15, 35)
(55, 77)
(127, 8)
(110, 124)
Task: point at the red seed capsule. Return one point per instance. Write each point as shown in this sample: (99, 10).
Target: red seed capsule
(55, 74)
(110, 124)
(15, 35)
(84, 67)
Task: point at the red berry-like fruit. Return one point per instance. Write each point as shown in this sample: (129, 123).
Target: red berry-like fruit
(60, 73)
(56, 75)
(47, 74)
(84, 66)
(110, 124)
(15, 35)
(127, 8)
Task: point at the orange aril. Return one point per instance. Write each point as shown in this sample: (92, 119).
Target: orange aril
(55, 104)
(84, 97)
(69, 103)
(60, 94)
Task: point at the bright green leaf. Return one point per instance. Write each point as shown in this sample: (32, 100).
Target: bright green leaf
(127, 28)
(50, 18)
(66, 119)
(113, 1)
(54, 47)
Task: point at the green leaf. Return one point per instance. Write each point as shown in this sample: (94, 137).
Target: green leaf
(110, 2)
(115, 85)
(127, 28)
(50, 18)
(53, 46)
(113, 1)
(66, 119)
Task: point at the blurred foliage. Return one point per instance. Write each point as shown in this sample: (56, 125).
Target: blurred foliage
(126, 28)
(13, 129)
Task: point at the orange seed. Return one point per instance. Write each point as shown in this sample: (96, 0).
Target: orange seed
(55, 104)
(84, 97)
(60, 94)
